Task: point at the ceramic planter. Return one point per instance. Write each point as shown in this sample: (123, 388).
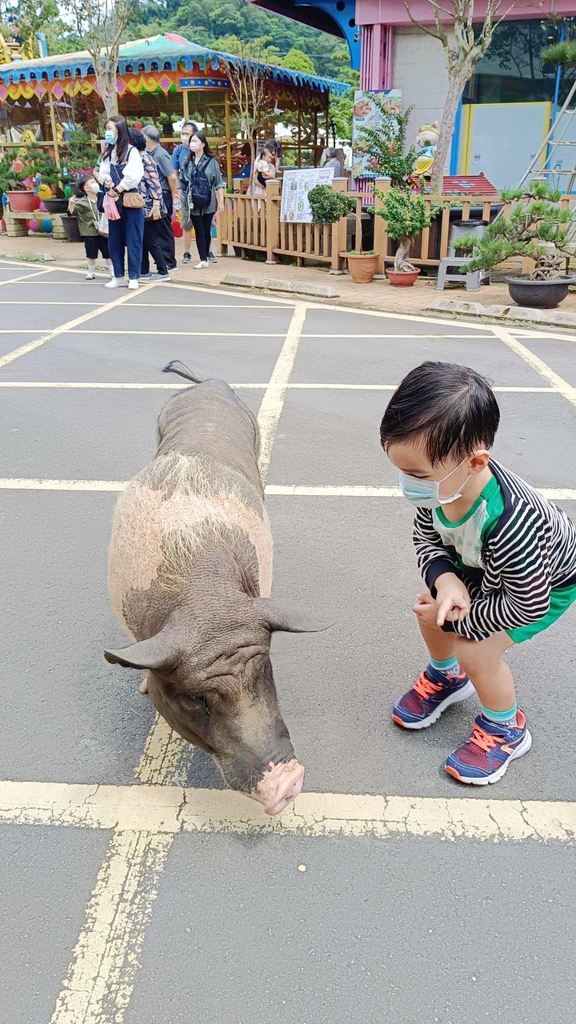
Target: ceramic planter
(56, 205)
(538, 294)
(70, 225)
(21, 202)
(402, 279)
(362, 267)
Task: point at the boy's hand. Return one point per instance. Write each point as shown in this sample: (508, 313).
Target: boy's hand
(453, 599)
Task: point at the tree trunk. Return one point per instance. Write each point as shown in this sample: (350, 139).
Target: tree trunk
(456, 81)
(106, 82)
(401, 264)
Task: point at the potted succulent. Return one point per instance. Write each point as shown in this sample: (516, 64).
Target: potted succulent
(406, 215)
(537, 227)
(11, 179)
(328, 207)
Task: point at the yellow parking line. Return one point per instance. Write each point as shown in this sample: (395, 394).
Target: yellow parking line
(274, 396)
(168, 810)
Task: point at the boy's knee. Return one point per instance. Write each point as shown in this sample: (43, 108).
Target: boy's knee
(474, 655)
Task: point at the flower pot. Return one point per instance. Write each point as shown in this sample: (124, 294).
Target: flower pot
(56, 205)
(21, 202)
(402, 279)
(70, 225)
(538, 294)
(362, 267)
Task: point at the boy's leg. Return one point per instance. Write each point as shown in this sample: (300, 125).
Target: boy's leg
(441, 684)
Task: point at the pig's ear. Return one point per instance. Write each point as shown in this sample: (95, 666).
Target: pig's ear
(159, 652)
(283, 618)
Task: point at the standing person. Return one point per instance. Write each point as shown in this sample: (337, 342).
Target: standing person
(498, 561)
(83, 206)
(333, 161)
(201, 180)
(121, 171)
(179, 157)
(264, 170)
(169, 184)
(154, 212)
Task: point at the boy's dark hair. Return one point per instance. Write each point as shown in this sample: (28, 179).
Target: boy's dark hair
(451, 408)
(79, 185)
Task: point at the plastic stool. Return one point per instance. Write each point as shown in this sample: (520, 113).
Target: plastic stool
(473, 280)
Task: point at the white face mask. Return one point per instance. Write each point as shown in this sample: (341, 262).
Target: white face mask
(424, 493)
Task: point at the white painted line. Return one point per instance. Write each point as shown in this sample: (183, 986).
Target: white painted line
(167, 810)
(270, 334)
(543, 335)
(175, 334)
(274, 396)
(285, 490)
(399, 337)
(51, 302)
(202, 305)
(28, 277)
(64, 328)
(562, 386)
(162, 386)
(105, 959)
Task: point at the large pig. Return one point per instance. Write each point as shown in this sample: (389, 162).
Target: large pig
(190, 574)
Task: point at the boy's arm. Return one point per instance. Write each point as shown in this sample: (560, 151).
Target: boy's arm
(433, 558)
(520, 567)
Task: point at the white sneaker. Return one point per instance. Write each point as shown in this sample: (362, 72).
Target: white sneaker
(133, 285)
(90, 276)
(203, 265)
(116, 282)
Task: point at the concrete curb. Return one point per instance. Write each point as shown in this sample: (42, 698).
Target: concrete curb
(272, 284)
(536, 316)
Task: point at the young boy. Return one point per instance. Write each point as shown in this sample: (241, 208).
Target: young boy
(498, 560)
(83, 205)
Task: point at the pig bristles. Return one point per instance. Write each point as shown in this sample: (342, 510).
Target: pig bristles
(176, 506)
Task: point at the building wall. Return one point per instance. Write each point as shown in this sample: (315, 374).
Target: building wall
(418, 69)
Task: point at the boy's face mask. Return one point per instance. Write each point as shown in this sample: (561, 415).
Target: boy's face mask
(425, 493)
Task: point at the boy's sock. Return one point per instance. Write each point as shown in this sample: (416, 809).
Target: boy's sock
(450, 667)
(501, 717)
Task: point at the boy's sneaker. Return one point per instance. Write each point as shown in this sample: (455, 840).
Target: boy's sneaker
(485, 757)
(186, 258)
(90, 276)
(431, 694)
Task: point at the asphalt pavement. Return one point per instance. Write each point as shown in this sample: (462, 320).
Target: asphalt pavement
(244, 925)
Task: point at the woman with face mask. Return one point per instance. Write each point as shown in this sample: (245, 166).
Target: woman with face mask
(179, 158)
(201, 182)
(121, 172)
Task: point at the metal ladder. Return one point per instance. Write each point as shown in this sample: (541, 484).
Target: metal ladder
(552, 144)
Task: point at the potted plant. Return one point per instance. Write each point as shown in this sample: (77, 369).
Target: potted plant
(537, 227)
(11, 179)
(406, 215)
(328, 207)
(41, 168)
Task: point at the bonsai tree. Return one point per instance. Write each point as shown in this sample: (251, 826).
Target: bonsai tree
(406, 215)
(10, 180)
(535, 218)
(41, 167)
(329, 206)
(82, 153)
(385, 145)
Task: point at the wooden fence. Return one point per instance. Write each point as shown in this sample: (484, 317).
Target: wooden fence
(252, 223)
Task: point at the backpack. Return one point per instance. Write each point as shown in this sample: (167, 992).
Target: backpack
(200, 191)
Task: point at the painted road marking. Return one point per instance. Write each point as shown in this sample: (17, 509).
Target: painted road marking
(275, 394)
(64, 328)
(105, 960)
(252, 334)
(162, 386)
(27, 277)
(562, 386)
(168, 810)
(289, 490)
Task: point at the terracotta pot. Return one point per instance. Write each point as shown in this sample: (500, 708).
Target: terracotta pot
(402, 279)
(362, 268)
(21, 202)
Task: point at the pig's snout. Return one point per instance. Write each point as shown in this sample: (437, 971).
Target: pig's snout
(280, 784)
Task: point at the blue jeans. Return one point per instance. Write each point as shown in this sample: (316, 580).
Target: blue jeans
(126, 233)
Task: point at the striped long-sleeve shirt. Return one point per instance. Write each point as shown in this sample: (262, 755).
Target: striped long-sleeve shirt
(530, 551)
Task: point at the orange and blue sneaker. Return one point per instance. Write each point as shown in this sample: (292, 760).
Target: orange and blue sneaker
(485, 757)
(431, 694)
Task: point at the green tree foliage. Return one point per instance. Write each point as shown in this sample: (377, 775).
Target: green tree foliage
(406, 215)
(296, 60)
(329, 206)
(385, 146)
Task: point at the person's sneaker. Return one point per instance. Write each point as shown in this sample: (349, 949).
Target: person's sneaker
(145, 277)
(203, 265)
(160, 277)
(485, 757)
(186, 258)
(431, 694)
(90, 276)
(211, 257)
(133, 285)
(116, 282)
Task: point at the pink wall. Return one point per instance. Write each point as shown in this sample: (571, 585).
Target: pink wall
(393, 12)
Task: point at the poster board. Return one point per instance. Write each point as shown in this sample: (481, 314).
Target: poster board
(367, 115)
(296, 185)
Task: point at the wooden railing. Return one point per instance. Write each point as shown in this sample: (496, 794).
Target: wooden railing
(253, 223)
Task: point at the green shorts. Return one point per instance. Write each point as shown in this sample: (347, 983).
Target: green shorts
(560, 601)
